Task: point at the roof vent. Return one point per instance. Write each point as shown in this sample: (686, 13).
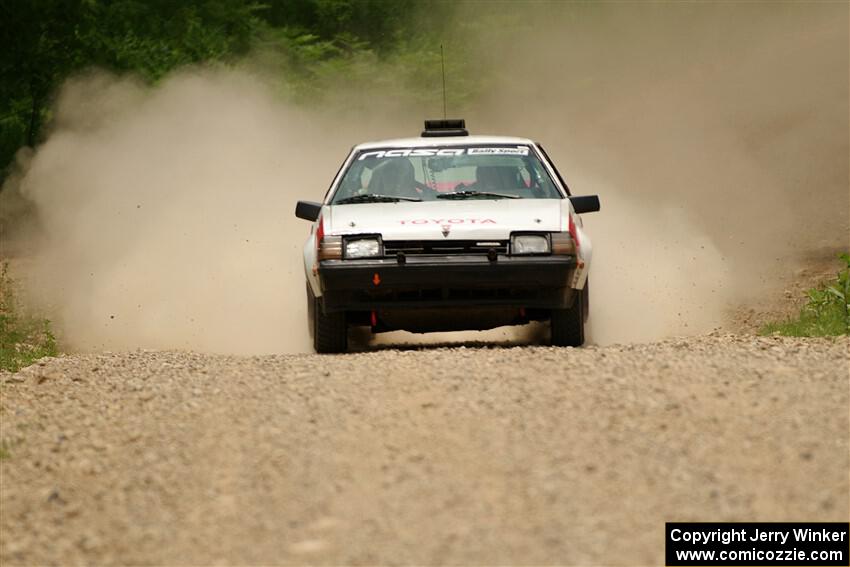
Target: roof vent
(441, 128)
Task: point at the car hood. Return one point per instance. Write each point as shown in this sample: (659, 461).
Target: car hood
(454, 220)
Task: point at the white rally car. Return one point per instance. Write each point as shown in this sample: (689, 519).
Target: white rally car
(446, 232)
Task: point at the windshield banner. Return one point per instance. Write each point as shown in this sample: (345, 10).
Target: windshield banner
(426, 152)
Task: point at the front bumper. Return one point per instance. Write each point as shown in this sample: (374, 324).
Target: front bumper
(446, 281)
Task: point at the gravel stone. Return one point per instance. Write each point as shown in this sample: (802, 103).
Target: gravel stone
(461, 455)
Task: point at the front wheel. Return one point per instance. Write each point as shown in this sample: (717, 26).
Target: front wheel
(329, 330)
(567, 325)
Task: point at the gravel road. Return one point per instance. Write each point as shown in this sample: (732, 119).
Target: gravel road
(526, 455)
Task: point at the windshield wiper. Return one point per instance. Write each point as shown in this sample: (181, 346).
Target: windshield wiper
(370, 198)
(475, 195)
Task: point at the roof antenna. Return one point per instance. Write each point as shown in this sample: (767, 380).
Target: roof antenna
(443, 66)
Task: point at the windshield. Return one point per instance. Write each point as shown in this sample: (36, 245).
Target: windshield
(451, 172)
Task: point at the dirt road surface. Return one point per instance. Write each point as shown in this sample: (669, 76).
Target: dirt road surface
(466, 455)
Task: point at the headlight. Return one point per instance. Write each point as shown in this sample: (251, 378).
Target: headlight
(362, 248)
(529, 244)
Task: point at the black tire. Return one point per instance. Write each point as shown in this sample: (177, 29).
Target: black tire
(567, 325)
(329, 330)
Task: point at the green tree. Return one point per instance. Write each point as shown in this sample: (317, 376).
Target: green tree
(42, 42)
(313, 42)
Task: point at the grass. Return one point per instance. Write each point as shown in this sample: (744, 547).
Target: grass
(23, 338)
(825, 314)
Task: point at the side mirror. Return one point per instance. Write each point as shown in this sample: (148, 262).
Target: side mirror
(585, 203)
(308, 210)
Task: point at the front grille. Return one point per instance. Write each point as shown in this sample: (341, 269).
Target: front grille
(443, 247)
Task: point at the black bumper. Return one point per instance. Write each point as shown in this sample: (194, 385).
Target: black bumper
(445, 281)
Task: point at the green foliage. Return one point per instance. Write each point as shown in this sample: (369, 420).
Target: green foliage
(151, 38)
(314, 45)
(23, 339)
(42, 42)
(826, 313)
(322, 47)
(314, 70)
(382, 25)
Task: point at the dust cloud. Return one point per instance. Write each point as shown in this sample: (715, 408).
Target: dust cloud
(715, 134)
(167, 213)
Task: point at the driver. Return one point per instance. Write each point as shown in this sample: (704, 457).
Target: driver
(396, 178)
(496, 178)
